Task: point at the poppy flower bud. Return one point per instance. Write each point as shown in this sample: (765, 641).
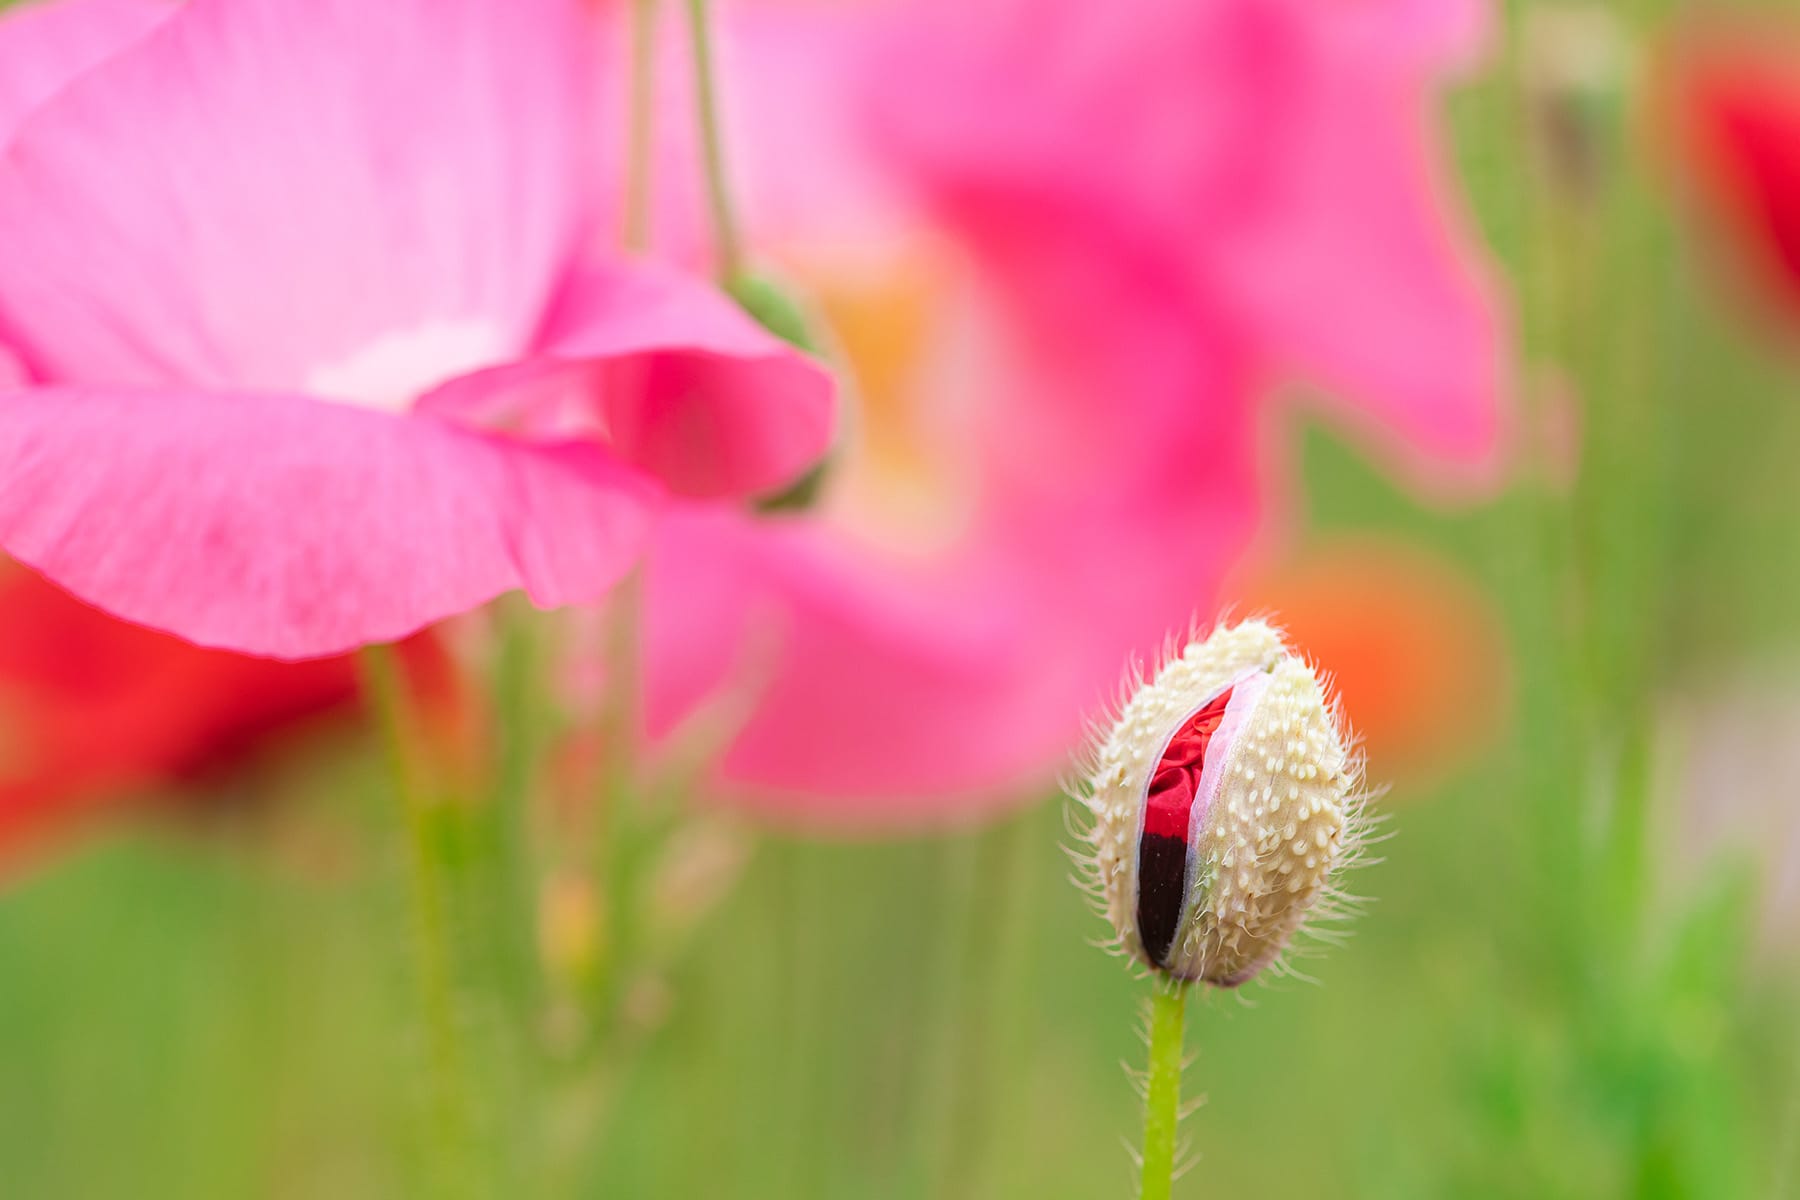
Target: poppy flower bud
(1223, 800)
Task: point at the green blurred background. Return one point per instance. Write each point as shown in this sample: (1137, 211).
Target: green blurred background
(1555, 993)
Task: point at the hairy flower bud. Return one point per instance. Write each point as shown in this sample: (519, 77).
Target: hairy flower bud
(1223, 800)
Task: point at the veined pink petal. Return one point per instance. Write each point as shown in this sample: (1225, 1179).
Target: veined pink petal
(672, 374)
(44, 45)
(340, 197)
(280, 526)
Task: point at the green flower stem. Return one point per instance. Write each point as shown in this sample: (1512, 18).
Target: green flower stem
(980, 960)
(726, 236)
(961, 933)
(617, 836)
(1787, 1143)
(641, 133)
(617, 724)
(1162, 1088)
(385, 687)
(509, 911)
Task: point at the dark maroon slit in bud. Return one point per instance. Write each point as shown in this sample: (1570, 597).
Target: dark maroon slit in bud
(1163, 848)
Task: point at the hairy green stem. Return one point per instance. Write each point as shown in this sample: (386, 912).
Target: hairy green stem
(726, 237)
(1162, 1089)
(385, 686)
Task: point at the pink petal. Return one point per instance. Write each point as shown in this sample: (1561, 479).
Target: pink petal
(1111, 421)
(289, 194)
(1354, 264)
(281, 526)
(1279, 151)
(876, 695)
(802, 169)
(45, 45)
(1433, 37)
(880, 695)
(674, 376)
(1098, 162)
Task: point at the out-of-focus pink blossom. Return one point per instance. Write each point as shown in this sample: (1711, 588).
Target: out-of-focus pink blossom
(245, 248)
(1135, 222)
(1276, 153)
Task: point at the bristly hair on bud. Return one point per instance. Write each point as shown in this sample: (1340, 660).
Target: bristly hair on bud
(1223, 800)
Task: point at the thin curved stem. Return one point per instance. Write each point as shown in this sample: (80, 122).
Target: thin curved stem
(1162, 1089)
(641, 131)
(726, 236)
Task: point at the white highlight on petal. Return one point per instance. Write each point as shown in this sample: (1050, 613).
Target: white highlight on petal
(395, 368)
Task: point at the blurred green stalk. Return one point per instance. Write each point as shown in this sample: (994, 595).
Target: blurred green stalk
(619, 839)
(509, 912)
(979, 965)
(385, 686)
(641, 131)
(618, 719)
(727, 238)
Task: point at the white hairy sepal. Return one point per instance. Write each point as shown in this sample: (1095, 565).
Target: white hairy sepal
(1286, 816)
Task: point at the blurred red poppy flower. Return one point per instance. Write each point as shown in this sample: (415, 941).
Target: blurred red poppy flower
(92, 708)
(1731, 111)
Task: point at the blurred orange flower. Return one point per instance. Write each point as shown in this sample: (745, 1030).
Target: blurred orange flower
(1416, 650)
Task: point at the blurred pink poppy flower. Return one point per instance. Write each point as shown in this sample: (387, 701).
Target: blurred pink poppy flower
(294, 281)
(1089, 243)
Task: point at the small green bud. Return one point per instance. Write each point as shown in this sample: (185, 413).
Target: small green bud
(773, 307)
